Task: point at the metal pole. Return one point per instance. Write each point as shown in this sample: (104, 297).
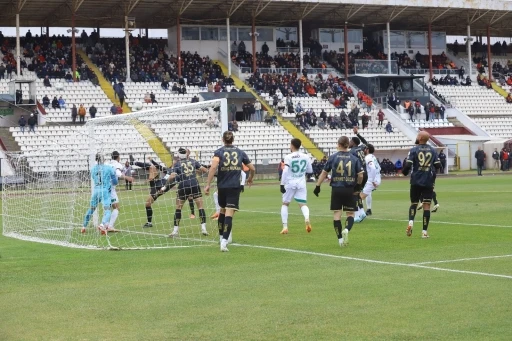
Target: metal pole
(429, 42)
(301, 49)
(73, 46)
(18, 52)
(389, 46)
(468, 42)
(489, 62)
(253, 44)
(345, 37)
(127, 49)
(228, 38)
(178, 43)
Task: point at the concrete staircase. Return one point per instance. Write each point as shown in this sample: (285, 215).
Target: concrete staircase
(8, 140)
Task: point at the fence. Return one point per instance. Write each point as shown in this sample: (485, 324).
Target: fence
(291, 50)
(427, 71)
(372, 66)
(283, 71)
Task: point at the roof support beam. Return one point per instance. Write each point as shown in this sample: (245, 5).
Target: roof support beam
(235, 7)
(307, 11)
(439, 16)
(393, 16)
(20, 5)
(184, 6)
(494, 21)
(76, 5)
(473, 20)
(259, 10)
(130, 6)
(351, 14)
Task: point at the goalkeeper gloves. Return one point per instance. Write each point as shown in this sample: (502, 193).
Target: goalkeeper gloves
(242, 189)
(283, 190)
(317, 190)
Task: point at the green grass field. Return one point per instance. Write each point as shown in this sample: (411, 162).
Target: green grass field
(384, 286)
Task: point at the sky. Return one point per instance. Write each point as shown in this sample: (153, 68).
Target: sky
(105, 32)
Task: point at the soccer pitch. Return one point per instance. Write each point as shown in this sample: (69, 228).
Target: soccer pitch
(383, 286)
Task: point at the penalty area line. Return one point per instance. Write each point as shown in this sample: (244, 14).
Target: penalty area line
(463, 259)
(372, 261)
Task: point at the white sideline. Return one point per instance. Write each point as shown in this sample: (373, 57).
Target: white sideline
(463, 259)
(373, 261)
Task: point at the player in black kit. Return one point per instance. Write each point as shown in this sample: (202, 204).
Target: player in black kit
(423, 162)
(358, 146)
(229, 160)
(347, 173)
(184, 173)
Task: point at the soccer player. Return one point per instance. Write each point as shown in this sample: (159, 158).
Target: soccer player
(103, 178)
(157, 186)
(118, 167)
(228, 160)
(190, 199)
(184, 172)
(293, 183)
(422, 159)
(347, 172)
(358, 150)
(373, 171)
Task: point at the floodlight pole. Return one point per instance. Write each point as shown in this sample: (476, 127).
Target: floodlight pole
(253, 44)
(178, 44)
(429, 42)
(389, 46)
(301, 48)
(127, 49)
(18, 52)
(345, 43)
(228, 38)
(73, 46)
(468, 42)
(489, 65)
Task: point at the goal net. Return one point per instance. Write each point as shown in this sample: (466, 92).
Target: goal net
(49, 190)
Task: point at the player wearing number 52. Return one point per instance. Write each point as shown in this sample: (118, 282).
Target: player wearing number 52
(423, 162)
(347, 172)
(229, 161)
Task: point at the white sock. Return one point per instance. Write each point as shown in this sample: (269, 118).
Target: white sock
(230, 238)
(216, 199)
(113, 218)
(369, 202)
(356, 214)
(203, 226)
(305, 212)
(360, 211)
(176, 228)
(284, 215)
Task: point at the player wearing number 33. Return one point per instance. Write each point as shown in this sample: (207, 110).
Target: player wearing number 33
(423, 162)
(347, 172)
(293, 183)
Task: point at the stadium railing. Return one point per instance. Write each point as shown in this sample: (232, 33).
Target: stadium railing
(246, 69)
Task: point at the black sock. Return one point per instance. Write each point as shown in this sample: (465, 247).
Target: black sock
(126, 182)
(412, 211)
(360, 202)
(434, 197)
(177, 217)
(130, 185)
(202, 215)
(191, 204)
(426, 219)
(349, 223)
(337, 227)
(220, 223)
(228, 222)
(149, 213)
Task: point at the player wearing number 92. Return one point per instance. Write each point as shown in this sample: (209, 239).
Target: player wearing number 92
(346, 172)
(423, 162)
(229, 161)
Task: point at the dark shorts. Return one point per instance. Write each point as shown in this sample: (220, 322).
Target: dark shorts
(192, 191)
(343, 198)
(229, 197)
(421, 192)
(155, 186)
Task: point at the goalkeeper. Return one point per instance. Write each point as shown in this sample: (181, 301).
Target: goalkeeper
(157, 186)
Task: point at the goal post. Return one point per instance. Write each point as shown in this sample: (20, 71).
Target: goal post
(47, 196)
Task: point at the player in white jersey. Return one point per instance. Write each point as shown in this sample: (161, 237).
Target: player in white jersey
(374, 179)
(293, 183)
(118, 167)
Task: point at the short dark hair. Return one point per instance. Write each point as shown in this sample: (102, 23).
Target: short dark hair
(371, 148)
(228, 137)
(356, 141)
(296, 143)
(343, 141)
(115, 155)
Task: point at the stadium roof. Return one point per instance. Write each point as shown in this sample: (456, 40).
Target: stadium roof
(451, 16)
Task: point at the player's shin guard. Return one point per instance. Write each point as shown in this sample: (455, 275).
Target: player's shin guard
(191, 204)
(177, 217)
(202, 216)
(349, 223)
(220, 223)
(337, 228)
(305, 212)
(113, 218)
(284, 215)
(88, 216)
(426, 219)
(228, 224)
(369, 202)
(412, 211)
(149, 213)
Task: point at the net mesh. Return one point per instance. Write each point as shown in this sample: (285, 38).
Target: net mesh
(48, 191)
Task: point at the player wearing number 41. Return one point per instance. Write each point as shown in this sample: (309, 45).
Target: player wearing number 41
(229, 161)
(293, 183)
(184, 172)
(423, 162)
(103, 178)
(347, 172)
